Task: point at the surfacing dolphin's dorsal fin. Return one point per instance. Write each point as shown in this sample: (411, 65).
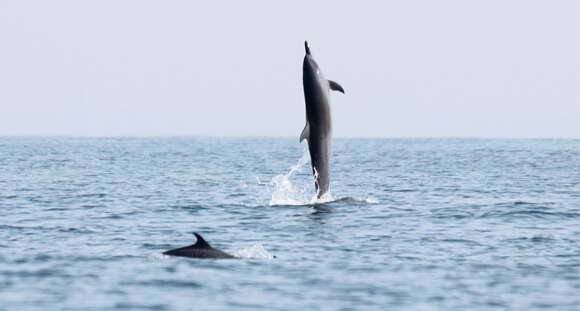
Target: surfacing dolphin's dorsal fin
(305, 132)
(335, 86)
(201, 243)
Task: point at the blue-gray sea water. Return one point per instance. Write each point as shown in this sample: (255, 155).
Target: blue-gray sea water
(414, 224)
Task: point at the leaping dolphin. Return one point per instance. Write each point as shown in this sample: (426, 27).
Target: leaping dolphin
(201, 249)
(318, 121)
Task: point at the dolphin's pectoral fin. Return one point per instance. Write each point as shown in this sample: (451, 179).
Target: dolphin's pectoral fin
(201, 243)
(335, 86)
(305, 132)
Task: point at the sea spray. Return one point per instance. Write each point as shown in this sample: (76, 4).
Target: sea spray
(255, 252)
(286, 193)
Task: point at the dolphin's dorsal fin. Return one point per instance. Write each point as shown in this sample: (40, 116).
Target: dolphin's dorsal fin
(335, 86)
(201, 243)
(305, 132)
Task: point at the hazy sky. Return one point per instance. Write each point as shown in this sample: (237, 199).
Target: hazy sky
(233, 68)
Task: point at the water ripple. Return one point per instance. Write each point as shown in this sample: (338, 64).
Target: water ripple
(412, 224)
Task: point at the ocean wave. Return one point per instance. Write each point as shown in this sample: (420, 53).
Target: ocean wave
(325, 201)
(529, 214)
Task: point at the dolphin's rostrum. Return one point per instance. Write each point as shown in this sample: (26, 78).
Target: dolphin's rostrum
(318, 129)
(201, 249)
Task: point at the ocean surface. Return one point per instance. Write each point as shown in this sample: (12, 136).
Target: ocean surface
(413, 224)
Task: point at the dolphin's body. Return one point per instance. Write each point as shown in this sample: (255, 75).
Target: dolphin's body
(318, 129)
(201, 249)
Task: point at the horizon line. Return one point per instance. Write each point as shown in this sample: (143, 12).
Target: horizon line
(285, 137)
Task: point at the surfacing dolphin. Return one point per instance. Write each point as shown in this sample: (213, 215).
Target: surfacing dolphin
(318, 129)
(201, 249)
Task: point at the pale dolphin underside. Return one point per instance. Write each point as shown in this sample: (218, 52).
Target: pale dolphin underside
(318, 129)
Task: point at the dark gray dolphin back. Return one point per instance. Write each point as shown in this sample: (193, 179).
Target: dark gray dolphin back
(201, 243)
(318, 129)
(201, 249)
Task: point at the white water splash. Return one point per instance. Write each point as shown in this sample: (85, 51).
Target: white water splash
(284, 192)
(368, 200)
(159, 256)
(371, 201)
(325, 198)
(255, 252)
